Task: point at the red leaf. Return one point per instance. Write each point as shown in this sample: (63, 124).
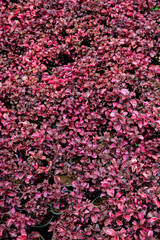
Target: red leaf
(109, 232)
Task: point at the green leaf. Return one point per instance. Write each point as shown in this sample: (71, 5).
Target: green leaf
(155, 8)
(136, 144)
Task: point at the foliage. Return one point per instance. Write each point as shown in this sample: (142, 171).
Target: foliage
(79, 93)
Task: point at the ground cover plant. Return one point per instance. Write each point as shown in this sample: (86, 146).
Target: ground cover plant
(80, 119)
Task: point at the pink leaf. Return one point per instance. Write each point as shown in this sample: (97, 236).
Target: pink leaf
(57, 179)
(12, 211)
(1, 203)
(118, 214)
(10, 17)
(139, 15)
(103, 11)
(34, 235)
(13, 233)
(150, 233)
(124, 91)
(120, 206)
(153, 219)
(104, 183)
(91, 189)
(150, 75)
(140, 124)
(152, 53)
(10, 194)
(110, 192)
(52, 81)
(45, 193)
(119, 223)
(90, 206)
(38, 195)
(155, 201)
(94, 155)
(113, 113)
(35, 135)
(60, 229)
(43, 67)
(9, 222)
(133, 102)
(130, 14)
(157, 69)
(127, 217)
(117, 127)
(143, 195)
(94, 218)
(110, 232)
(22, 237)
(140, 215)
(122, 231)
(157, 121)
(1, 230)
(28, 178)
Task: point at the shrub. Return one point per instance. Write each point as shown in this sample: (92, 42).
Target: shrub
(79, 93)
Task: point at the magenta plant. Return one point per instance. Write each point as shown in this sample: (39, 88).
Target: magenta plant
(79, 93)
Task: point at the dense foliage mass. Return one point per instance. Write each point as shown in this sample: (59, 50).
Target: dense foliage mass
(79, 95)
